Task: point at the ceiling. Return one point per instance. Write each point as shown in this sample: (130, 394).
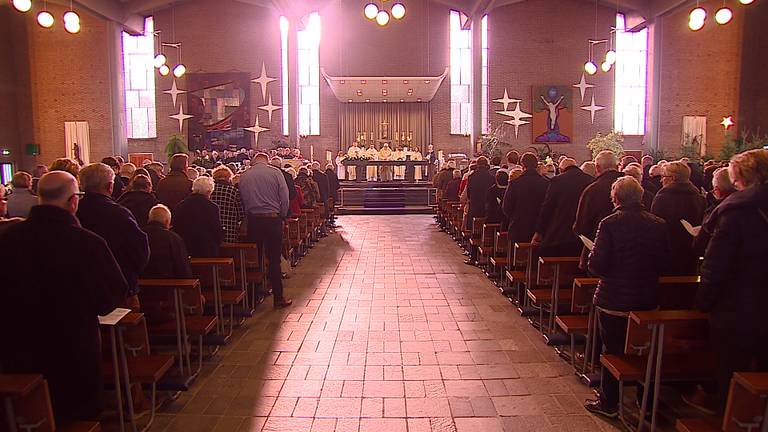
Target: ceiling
(129, 13)
(384, 89)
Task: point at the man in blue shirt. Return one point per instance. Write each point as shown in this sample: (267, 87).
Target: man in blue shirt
(265, 200)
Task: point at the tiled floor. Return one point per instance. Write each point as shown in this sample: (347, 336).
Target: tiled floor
(389, 332)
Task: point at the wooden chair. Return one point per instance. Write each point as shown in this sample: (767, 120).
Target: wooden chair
(473, 236)
(486, 245)
(554, 279)
(217, 277)
(27, 406)
(249, 271)
(518, 274)
(499, 260)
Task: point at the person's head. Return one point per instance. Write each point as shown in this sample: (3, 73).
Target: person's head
(157, 167)
(605, 161)
(22, 180)
(457, 174)
(502, 178)
(127, 170)
(626, 190)
(647, 160)
(655, 171)
(60, 189)
(160, 214)
(749, 168)
(634, 171)
(222, 174)
(513, 157)
(549, 170)
(140, 171)
(39, 171)
(496, 161)
(329, 167)
(291, 171)
(112, 162)
(529, 161)
(515, 173)
(722, 186)
(141, 183)
(276, 161)
(451, 164)
(145, 162)
(315, 166)
(203, 186)
(565, 163)
(179, 162)
(261, 158)
(626, 160)
(192, 173)
(482, 161)
(303, 171)
(675, 172)
(66, 165)
(589, 168)
(3, 201)
(97, 178)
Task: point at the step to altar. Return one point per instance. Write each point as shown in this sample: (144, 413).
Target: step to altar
(386, 198)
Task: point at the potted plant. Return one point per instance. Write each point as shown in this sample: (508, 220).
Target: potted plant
(612, 141)
(175, 145)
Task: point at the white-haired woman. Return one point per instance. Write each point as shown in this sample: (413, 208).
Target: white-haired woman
(196, 219)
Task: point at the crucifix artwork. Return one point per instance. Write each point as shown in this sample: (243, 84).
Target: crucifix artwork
(552, 114)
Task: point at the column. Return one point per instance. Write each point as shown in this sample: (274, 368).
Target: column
(476, 97)
(117, 88)
(293, 82)
(653, 91)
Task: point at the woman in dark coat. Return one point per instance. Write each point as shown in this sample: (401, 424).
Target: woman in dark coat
(139, 198)
(196, 219)
(493, 200)
(733, 277)
(523, 200)
(333, 182)
(309, 189)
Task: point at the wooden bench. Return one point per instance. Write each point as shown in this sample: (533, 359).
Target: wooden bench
(552, 275)
(249, 271)
(518, 275)
(214, 275)
(27, 406)
(486, 244)
(498, 261)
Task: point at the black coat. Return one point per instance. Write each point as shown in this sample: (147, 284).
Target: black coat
(168, 256)
(49, 301)
(452, 190)
(197, 221)
(734, 283)
(118, 187)
(478, 184)
(673, 203)
(522, 204)
(139, 203)
(558, 212)
(290, 183)
(115, 224)
(594, 204)
(322, 183)
(333, 184)
(630, 252)
(493, 212)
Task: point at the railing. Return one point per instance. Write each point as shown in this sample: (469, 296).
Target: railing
(425, 196)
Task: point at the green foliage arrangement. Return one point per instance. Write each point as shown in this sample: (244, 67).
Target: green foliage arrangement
(612, 141)
(746, 141)
(175, 145)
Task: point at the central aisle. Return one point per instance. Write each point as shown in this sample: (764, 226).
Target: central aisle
(390, 331)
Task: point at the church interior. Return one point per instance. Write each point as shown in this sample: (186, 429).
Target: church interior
(484, 215)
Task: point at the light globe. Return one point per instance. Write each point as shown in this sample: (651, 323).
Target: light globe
(698, 14)
(371, 10)
(695, 25)
(590, 68)
(610, 57)
(72, 26)
(723, 15)
(398, 11)
(179, 70)
(22, 5)
(746, 2)
(164, 70)
(45, 19)
(160, 60)
(605, 66)
(382, 18)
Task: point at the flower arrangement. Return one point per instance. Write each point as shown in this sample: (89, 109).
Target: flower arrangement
(612, 141)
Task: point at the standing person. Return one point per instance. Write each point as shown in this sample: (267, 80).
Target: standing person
(478, 184)
(493, 199)
(5, 222)
(265, 197)
(115, 224)
(733, 276)
(341, 172)
(523, 200)
(22, 199)
(431, 157)
(168, 258)
(595, 202)
(278, 163)
(139, 198)
(354, 152)
(385, 171)
(371, 171)
(50, 300)
(174, 187)
(119, 186)
(680, 199)
(197, 220)
(227, 197)
(322, 182)
(333, 183)
(554, 234)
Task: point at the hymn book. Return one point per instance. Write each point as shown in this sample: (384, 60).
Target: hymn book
(692, 230)
(113, 317)
(587, 242)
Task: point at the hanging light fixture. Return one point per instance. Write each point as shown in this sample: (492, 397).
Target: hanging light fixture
(370, 11)
(45, 18)
(160, 60)
(724, 15)
(164, 70)
(697, 18)
(398, 11)
(179, 70)
(382, 18)
(590, 67)
(22, 5)
(746, 2)
(72, 22)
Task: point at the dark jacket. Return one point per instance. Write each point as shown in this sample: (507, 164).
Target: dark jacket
(231, 212)
(493, 212)
(478, 184)
(197, 221)
(48, 306)
(118, 187)
(172, 189)
(309, 189)
(289, 182)
(522, 204)
(733, 278)
(115, 224)
(652, 184)
(452, 190)
(322, 183)
(558, 212)
(139, 203)
(630, 251)
(594, 204)
(168, 257)
(673, 203)
(333, 184)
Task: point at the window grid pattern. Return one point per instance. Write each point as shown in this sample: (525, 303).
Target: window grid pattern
(461, 76)
(630, 79)
(308, 41)
(484, 70)
(139, 71)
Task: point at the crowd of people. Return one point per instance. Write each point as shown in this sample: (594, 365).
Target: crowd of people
(632, 211)
(87, 234)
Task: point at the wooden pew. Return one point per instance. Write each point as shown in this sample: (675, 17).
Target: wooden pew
(557, 272)
(27, 406)
(486, 244)
(215, 274)
(499, 258)
(249, 271)
(518, 275)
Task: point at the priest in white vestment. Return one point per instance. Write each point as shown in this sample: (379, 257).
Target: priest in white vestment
(341, 173)
(354, 152)
(385, 154)
(370, 170)
(399, 169)
(416, 156)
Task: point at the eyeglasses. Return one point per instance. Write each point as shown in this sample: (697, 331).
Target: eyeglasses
(77, 194)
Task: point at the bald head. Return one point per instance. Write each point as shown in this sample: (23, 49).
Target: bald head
(605, 161)
(566, 163)
(261, 158)
(59, 188)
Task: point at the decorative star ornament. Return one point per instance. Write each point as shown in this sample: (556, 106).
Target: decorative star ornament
(727, 122)
(270, 108)
(592, 108)
(180, 117)
(517, 115)
(583, 86)
(256, 129)
(174, 92)
(263, 80)
(506, 100)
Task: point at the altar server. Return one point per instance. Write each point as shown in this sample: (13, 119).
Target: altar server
(370, 170)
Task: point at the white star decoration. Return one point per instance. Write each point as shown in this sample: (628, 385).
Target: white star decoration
(174, 92)
(583, 86)
(256, 129)
(592, 108)
(506, 100)
(263, 80)
(517, 117)
(180, 117)
(727, 122)
(270, 108)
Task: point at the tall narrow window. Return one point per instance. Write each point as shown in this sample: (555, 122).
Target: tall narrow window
(461, 75)
(284, 26)
(630, 79)
(138, 56)
(484, 116)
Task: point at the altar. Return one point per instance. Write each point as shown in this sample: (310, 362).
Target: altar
(361, 164)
